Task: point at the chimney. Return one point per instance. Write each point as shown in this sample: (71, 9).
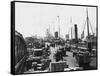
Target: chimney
(76, 33)
(56, 34)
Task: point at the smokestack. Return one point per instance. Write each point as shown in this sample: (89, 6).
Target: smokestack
(56, 34)
(76, 35)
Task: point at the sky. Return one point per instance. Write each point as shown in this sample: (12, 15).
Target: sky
(33, 19)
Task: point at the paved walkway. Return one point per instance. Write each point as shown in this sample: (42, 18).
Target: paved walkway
(71, 61)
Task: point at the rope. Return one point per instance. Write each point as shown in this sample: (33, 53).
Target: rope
(91, 27)
(84, 26)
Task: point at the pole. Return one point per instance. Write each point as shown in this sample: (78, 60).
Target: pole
(71, 36)
(59, 26)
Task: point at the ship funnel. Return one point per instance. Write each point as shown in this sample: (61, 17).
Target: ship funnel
(76, 33)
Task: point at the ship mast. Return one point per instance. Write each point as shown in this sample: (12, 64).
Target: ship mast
(87, 23)
(89, 44)
(59, 25)
(71, 26)
(71, 33)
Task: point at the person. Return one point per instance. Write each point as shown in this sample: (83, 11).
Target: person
(59, 55)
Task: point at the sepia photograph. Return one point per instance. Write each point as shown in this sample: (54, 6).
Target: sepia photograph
(53, 37)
